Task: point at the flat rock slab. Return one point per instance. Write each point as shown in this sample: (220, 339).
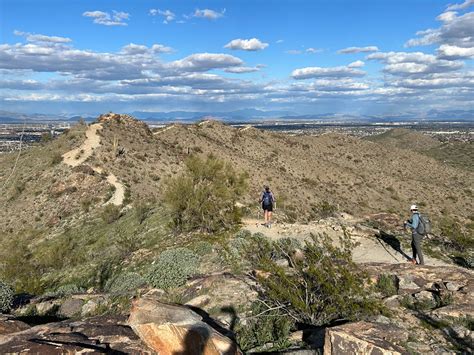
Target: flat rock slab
(364, 338)
(94, 335)
(9, 325)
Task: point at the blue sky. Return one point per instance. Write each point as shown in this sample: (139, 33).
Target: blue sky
(347, 57)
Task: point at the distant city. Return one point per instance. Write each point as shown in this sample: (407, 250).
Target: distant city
(16, 135)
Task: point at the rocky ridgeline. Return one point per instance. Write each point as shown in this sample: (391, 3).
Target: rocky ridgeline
(125, 120)
(425, 312)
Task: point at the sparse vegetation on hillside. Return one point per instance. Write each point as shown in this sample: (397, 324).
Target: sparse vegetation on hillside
(203, 197)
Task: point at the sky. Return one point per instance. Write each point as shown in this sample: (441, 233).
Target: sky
(377, 57)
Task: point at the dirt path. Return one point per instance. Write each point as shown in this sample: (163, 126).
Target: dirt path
(164, 129)
(370, 249)
(79, 155)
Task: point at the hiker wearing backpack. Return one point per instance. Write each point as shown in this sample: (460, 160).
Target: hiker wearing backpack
(420, 226)
(268, 200)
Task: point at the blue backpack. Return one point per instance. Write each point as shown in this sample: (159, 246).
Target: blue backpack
(267, 199)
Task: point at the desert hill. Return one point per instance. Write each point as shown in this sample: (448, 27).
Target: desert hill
(354, 175)
(85, 230)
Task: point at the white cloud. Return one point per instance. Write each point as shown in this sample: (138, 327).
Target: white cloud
(31, 37)
(358, 50)
(138, 49)
(313, 50)
(446, 51)
(356, 64)
(279, 41)
(167, 14)
(331, 72)
(241, 70)
(117, 18)
(205, 61)
(208, 14)
(462, 6)
(253, 44)
(455, 31)
(403, 63)
(447, 16)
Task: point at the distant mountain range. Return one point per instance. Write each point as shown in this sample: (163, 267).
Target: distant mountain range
(247, 115)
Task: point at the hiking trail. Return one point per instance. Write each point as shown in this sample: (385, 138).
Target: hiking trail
(79, 155)
(370, 248)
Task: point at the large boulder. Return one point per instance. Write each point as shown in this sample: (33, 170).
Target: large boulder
(96, 335)
(10, 325)
(175, 329)
(365, 338)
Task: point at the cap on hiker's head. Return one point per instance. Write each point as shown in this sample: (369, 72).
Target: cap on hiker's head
(413, 208)
(267, 187)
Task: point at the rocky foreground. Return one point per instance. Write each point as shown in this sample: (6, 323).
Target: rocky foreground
(431, 311)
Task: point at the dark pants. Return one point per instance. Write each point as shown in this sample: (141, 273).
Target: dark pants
(416, 247)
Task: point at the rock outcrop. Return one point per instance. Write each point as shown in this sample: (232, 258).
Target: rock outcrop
(96, 335)
(174, 329)
(365, 338)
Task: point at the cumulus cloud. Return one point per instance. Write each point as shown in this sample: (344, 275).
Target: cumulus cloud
(350, 50)
(205, 61)
(166, 14)
(403, 63)
(138, 49)
(447, 51)
(208, 14)
(331, 72)
(356, 64)
(462, 6)
(117, 18)
(252, 44)
(455, 31)
(31, 37)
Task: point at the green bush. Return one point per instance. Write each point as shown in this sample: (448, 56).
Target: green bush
(324, 210)
(68, 289)
(387, 285)
(111, 213)
(6, 297)
(125, 282)
(203, 197)
(262, 327)
(172, 268)
(323, 287)
(459, 238)
(203, 248)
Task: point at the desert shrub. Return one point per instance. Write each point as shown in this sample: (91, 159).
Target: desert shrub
(125, 282)
(19, 267)
(459, 238)
(172, 268)
(56, 158)
(285, 247)
(68, 289)
(323, 287)
(387, 285)
(203, 248)
(262, 327)
(110, 213)
(6, 297)
(203, 196)
(142, 211)
(324, 210)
